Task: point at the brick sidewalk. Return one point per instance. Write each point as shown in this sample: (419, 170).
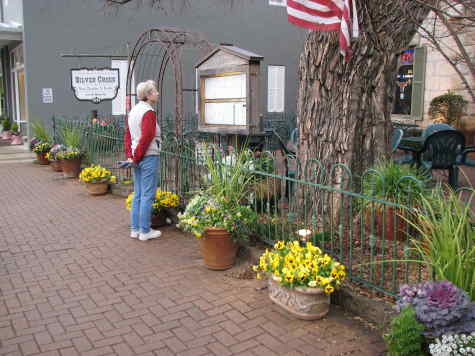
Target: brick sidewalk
(72, 283)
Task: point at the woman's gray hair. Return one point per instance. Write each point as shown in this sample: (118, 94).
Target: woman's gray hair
(144, 88)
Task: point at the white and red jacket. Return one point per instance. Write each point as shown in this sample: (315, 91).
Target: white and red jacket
(142, 133)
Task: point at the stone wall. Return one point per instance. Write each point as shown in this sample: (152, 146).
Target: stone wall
(441, 77)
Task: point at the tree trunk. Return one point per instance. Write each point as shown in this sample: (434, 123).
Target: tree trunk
(344, 107)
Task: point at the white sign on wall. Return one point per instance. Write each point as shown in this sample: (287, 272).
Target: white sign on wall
(47, 94)
(95, 85)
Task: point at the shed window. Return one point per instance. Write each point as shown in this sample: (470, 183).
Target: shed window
(224, 99)
(275, 88)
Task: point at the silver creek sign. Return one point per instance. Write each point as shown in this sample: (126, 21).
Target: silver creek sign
(95, 84)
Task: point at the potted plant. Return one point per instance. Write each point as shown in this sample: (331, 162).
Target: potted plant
(221, 216)
(71, 158)
(160, 207)
(41, 149)
(52, 156)
(70, 163)
(16, 139)
(6, 134)
(394, 183)
(301, 278)
(97, 179)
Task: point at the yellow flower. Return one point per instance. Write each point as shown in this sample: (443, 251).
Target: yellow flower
(329, 289)
(198, 234)
(258, 276)
(279, 245)
(312, 284)
(341, 274)
(255, 268)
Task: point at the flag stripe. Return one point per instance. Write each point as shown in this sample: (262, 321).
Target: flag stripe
(301, 6)
(307, 17)
(326, 15)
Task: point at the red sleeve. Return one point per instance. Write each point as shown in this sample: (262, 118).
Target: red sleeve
(148, 132)
(127, 140)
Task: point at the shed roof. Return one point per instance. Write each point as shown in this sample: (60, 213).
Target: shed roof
(233, 50)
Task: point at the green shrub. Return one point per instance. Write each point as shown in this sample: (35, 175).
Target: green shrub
(392, 182)
(449, 106)
(40, 132)
(6, 124)
(447, 242)
(405, 334)
(15, 127)
(72, 138)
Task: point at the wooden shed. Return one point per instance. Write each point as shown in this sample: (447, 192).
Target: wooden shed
(229, 89)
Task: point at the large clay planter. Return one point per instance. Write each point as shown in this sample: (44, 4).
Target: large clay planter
(41, 158)
(71, 167)
(389, 223)
(217, 249)
(97, 188)
(56, 166)
(302, 303)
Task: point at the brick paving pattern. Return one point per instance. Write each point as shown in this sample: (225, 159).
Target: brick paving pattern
(73, 283)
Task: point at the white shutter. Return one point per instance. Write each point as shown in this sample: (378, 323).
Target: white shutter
(276, 89)
(118, 104)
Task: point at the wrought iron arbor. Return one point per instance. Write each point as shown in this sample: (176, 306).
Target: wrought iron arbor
(155, 49)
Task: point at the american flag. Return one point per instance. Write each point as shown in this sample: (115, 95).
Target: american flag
(327, 15)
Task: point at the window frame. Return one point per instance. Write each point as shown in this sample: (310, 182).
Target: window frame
(269, 88)
(204, 100)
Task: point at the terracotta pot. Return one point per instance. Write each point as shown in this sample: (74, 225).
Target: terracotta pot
(97, 188)
(71, 167)
(217, 249)
(41, 158)
(6, 135)
(388, 223)
(56, 166)
(302, 303)
(159, 219)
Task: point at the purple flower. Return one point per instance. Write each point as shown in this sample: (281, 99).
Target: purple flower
(440, 306)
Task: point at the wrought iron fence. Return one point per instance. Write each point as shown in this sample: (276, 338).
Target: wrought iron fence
(314, 202)
(368, 235)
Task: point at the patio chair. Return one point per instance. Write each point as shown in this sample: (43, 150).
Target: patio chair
(444, 150)
(396, 137)
(395, 140)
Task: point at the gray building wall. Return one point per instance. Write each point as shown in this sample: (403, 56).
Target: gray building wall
(52, 27)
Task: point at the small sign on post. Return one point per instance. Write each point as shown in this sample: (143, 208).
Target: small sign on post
(96, 85)
(47, 94)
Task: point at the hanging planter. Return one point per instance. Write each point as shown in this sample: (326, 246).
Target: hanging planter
(217, 249)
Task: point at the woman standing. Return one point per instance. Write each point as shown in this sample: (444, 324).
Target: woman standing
(142, 147)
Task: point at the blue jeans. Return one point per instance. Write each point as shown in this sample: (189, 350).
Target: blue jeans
(145, 185)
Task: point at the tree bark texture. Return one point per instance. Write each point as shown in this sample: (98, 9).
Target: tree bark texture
(344, 107)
